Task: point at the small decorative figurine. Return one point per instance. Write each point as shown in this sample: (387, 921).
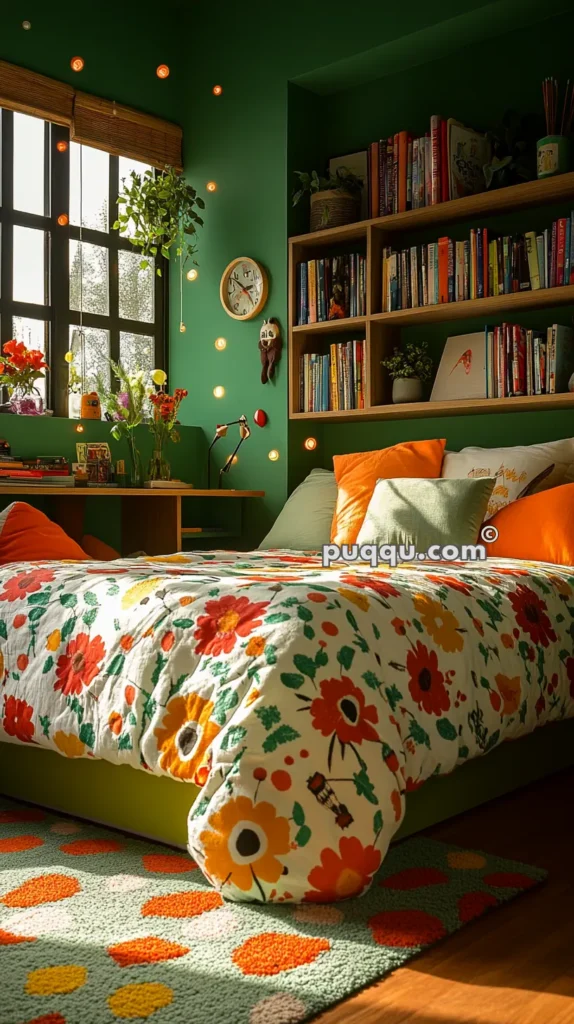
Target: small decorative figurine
(91, 408)
(270, 345)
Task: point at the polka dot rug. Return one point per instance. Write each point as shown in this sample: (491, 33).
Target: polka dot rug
(96, 928)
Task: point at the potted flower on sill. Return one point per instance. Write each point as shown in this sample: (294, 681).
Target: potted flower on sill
(335, 199)
(409, 369)
(19, 371)
(163, 424)
(126, 409)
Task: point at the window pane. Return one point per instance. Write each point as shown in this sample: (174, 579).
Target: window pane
(33, 334)
(89, 289)
(135, 288)
(95, 187)
(126, 166)
(28, 265)
(28, 164)
(93, 362)
(136, 352)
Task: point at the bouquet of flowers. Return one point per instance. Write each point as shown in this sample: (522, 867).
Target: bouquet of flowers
(163, 428)
(126, 409)
(20, 368)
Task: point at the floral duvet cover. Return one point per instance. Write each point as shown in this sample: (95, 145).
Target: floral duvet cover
(303, 701)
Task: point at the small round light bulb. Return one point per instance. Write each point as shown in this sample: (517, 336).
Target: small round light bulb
(310, 443)
(220, 344)
(80, 428)
(192, 274)
(182, 328)
(61, 146)
(273, 455)
(211, 186)
(26, 25)
(162, 71)
(69, 357)
(217, 90)
(63, 220)
(219, 391)
(77, 63)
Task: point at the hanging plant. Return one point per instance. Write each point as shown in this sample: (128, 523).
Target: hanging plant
(158, 213)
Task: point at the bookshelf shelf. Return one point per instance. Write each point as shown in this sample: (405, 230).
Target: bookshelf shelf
(381, 331)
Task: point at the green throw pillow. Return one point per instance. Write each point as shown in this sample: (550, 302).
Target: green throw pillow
(423, 512)
(304, 523)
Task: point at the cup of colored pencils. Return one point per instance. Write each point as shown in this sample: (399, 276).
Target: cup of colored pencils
(553, 151)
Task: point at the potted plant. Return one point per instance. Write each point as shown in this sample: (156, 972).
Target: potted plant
(20, 368)
(163, 426)
(126, 409)
(335, 199)
(158, 213)
(409, 368)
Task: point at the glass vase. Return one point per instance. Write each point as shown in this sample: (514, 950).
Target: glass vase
(159, 468)
(26, 403)
(136, 469)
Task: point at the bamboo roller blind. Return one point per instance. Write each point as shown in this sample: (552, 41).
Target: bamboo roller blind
(93, 121)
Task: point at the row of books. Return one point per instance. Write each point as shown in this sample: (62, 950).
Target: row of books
(332, 288)
(47, 470)
(335, 380)
(449, 271)
(406, 173)
(526, 362)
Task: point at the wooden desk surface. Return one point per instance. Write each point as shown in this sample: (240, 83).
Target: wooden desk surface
(127, 492)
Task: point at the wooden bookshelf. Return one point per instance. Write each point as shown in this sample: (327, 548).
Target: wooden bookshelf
(381, 331)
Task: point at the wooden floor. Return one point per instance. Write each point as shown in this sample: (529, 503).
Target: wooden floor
(514, 966)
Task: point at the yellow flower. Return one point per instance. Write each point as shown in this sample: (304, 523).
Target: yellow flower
(246, 840)
(69, 744)
(185, 734)
(510, 690)
(252, 696)
(54, 640)
(360, 600)
(178, 559)
(255, 647)
(440, 624)
(139, 590)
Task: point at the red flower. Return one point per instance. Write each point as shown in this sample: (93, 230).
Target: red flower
(226, 619)
(341, 709)
(17, 587)
(453, 583)
(17, 719)
(427, 682)
(342, 875)
(531, 615)
(377, 583)
(80, 664)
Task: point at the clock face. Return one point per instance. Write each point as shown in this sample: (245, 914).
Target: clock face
(243, 290)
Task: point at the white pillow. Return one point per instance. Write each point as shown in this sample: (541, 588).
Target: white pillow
(304, 522)
(531, 468)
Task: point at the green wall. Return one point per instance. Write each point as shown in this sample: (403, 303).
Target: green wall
(299, 84)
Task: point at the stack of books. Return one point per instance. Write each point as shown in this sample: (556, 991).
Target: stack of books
(333, 381)
(481, 266)
(331, 288)
(45, 470)
(525, 362)
(406, 173)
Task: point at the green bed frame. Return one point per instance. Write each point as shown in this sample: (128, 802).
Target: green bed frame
(157, 807)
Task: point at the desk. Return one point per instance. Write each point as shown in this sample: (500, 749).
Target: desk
(151, 519)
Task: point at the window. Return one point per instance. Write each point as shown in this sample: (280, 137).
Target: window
(55, 279)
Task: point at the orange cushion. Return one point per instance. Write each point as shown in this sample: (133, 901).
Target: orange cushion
(98, 550)
(27, 535)
(539, 528)
(357, 474)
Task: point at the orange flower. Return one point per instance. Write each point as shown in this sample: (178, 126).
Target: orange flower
(510, 691)
(185, 734)
(18, 719)
(507, 639)
(255, 647)
(226, 619)
(244, 842)
(344, 874)
(24, 583)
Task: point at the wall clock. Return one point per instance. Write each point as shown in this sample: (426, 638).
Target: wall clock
(243, 288)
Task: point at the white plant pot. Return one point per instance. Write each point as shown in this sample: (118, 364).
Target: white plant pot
(407, 389)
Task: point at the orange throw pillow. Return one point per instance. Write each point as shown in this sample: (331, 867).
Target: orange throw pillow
(27, 535)
(539, 528)
(98, 550)
(357, 474)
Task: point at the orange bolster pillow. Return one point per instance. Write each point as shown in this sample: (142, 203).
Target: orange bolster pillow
(27, 535)
(539, 528)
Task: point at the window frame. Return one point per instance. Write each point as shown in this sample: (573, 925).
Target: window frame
(55, 311)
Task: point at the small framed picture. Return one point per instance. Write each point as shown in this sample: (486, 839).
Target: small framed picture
(357, 163)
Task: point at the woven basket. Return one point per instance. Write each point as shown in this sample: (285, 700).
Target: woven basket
(331, 208)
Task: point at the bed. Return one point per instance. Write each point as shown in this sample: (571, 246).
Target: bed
(299, 705)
